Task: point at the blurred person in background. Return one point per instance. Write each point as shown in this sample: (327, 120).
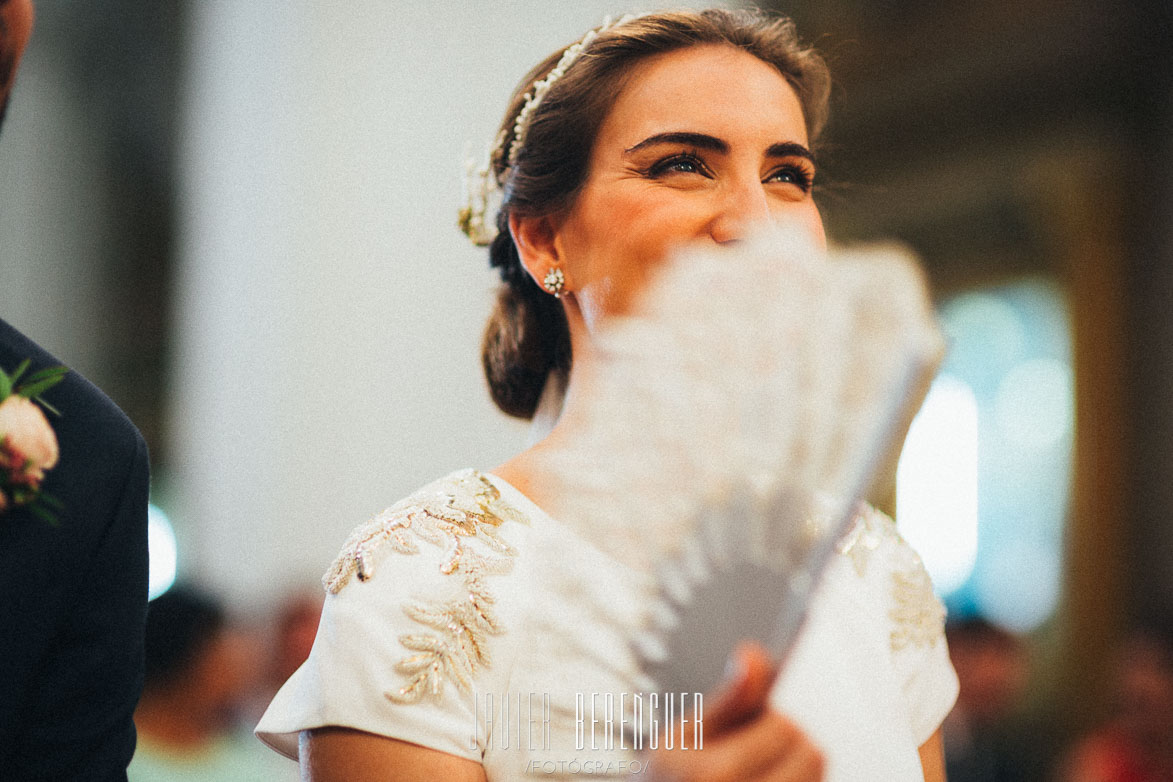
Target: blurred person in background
(75, 587)
(1136, 743)
(992, 665)
(297, 624)
(198, 671)
(288, 639)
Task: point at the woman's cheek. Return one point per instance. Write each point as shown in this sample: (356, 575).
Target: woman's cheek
(617, 291)
(814, 224)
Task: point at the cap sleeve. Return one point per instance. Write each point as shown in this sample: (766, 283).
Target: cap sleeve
(914, 616)
(419, 602)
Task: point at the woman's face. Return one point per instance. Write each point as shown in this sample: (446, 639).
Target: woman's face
(700, 146)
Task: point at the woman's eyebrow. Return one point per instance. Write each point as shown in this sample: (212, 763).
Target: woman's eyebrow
(790, 149)
(699, 140)
(705, 141)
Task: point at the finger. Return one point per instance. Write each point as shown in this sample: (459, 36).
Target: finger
(767, 743)
(770, 748)
(756, 749)
(746, 695)
(802, 763)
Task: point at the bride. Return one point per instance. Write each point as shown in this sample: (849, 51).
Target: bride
(660, 131)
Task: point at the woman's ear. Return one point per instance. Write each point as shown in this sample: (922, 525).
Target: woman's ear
(535, 239)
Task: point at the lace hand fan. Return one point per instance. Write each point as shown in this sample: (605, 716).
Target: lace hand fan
(726, 434)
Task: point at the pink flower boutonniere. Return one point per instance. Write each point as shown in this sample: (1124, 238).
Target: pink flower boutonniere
(28, 446)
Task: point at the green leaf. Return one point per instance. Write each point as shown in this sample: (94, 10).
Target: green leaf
(20, 370)
(33, 390)
(5, 385)
(43, 514)
(49, 499)
(49, 407)
(47, 372)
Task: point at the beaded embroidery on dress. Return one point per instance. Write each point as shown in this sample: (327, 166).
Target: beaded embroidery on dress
(917, 615)
(462, 514)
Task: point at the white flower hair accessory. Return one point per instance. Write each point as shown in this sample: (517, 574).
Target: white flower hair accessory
(482, 198)
(482, 187)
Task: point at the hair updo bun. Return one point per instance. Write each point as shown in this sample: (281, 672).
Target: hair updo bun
(527, 335)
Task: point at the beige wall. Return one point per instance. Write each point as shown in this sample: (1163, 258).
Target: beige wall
(327, 357)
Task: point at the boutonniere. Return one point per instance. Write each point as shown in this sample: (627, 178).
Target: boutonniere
(28, 446)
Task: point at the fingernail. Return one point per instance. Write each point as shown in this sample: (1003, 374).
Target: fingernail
(734, 668)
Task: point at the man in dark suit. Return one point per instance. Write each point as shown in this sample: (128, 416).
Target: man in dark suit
(73, 595)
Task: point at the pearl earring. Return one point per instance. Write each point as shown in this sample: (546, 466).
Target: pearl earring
(554, 281)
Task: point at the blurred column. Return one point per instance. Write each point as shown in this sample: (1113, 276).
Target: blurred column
(329, 312)
(54, 207)
(1151, 355)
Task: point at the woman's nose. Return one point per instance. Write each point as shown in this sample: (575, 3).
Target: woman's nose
(740, 209)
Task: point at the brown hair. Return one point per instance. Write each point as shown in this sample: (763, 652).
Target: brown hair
(527, 335)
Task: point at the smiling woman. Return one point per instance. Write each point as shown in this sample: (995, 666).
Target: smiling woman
(660, 132)
(702, 144)
(528, 338)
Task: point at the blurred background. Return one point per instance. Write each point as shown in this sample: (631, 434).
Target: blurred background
(239, 220)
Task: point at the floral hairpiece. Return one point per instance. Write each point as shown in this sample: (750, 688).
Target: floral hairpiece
(482, 195)
(28, 446)
(482, 187)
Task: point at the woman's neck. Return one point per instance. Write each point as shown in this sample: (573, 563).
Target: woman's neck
(549, 408)
(558, 418)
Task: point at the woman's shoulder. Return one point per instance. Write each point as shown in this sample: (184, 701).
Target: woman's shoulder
(442, 559)
(883, 562)
(424, 609)
(462, 516)
(888, 575)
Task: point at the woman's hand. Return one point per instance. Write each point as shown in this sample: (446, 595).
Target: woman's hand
(744, 739)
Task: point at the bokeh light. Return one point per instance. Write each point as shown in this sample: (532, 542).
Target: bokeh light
(1033, 406)
(937, 480)
(1002, 416)
(164, 554)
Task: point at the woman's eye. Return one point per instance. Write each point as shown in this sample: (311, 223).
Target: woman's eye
(677, 164)
(793, 175)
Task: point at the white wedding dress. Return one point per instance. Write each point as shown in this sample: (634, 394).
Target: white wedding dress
(450, 624)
